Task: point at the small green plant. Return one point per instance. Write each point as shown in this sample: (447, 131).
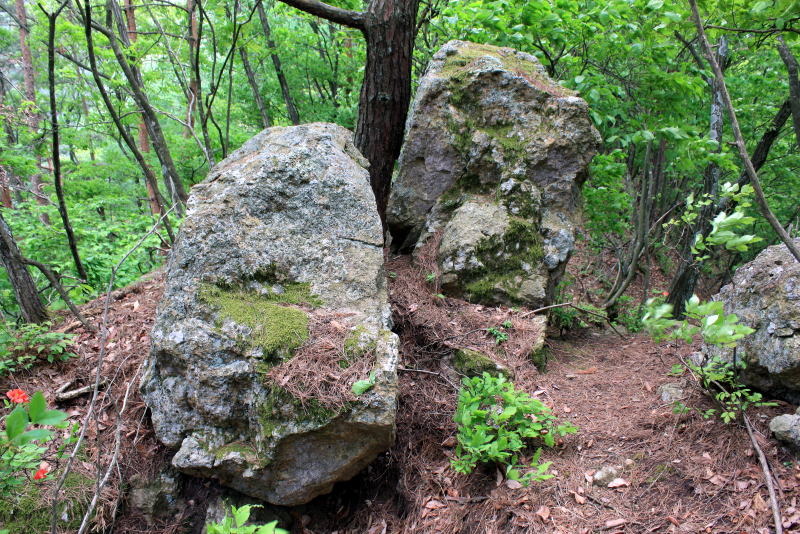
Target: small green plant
(495, 422)
(498, 334)
(507, 325)
(362, 386)
(26, 429)
(235, 523)
(717, 376)
(430, 277)
(21, 347)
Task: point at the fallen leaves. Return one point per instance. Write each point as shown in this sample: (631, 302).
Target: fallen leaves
(618, 483)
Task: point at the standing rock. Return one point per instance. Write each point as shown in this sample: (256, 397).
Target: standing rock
(765, 295)
(494, 157)
(284, 227)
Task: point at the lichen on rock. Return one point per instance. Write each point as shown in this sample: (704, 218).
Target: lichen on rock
(494, 157)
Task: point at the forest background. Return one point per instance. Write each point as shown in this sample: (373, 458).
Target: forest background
(157, 92)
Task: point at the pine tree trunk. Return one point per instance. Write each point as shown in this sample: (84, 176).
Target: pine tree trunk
(291, 109)
(251, 79)
(386, 90)
(33, 311)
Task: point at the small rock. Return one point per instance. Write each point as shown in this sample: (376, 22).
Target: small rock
(786, 429)
(671, 392)
(605, 475)
(156, 499)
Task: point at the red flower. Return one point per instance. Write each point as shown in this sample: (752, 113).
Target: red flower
(18, 396)
(41, 473)
(665, 293)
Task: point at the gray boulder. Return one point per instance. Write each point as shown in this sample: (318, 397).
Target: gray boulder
(284, 227)
(786, 429)
(765, 295)
(494, 157)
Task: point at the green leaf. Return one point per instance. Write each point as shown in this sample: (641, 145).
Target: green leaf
(655, 4)
(37, 434)
(16, 422)
(37, 406)
(51, 417)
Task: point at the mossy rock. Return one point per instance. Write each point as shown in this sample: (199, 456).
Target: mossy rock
(472, 363)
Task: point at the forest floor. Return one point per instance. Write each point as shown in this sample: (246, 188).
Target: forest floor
(676, 473)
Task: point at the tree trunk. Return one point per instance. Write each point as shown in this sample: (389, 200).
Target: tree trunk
(251, 79)
(29, 80)
(33, 311)
(148, 173)
(291, 109)
(794, 85)
(684, 281)
(171, 178)
(386, 90)
(194, 83)
(62, 205)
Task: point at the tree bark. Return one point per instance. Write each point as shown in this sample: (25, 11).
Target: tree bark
(29, 80)
(171, 178)
(33, 311)
(684, 282)
(251, 79)
(51, 79)
(194, 83)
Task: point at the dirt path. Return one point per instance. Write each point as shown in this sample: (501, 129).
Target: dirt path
(675, 473)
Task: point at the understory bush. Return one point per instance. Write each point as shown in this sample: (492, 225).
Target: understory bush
(495, 422)
(21, 346)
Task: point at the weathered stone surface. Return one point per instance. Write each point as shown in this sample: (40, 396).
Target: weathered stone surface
(471, 363)
(285, 223)
(765, 295)
(158, 498)
(786, 429)
(494, 157)
(671, 392)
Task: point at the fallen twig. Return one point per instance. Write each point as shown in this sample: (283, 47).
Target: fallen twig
(773, 499)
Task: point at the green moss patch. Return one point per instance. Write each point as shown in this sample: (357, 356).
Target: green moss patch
(502, 260)
(281, 407)
(473, 363)
(29, 510)
(276, 327)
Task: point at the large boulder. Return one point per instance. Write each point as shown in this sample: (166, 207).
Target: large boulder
(765, 295)
(494, 157)
(283, 231)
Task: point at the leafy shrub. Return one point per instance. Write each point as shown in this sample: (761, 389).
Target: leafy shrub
(21, 346)
(495, 423)
(717, 376)
(25, 430)
(235, 524)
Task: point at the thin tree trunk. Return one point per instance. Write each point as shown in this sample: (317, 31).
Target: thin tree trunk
(794, 85)
(684, 282)
(51, 78)
(291, 109)
(171, 178)
(33, 311)
(761, 201)
(251, 79)
(126, 136)
(28, 75)
(194, 75)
